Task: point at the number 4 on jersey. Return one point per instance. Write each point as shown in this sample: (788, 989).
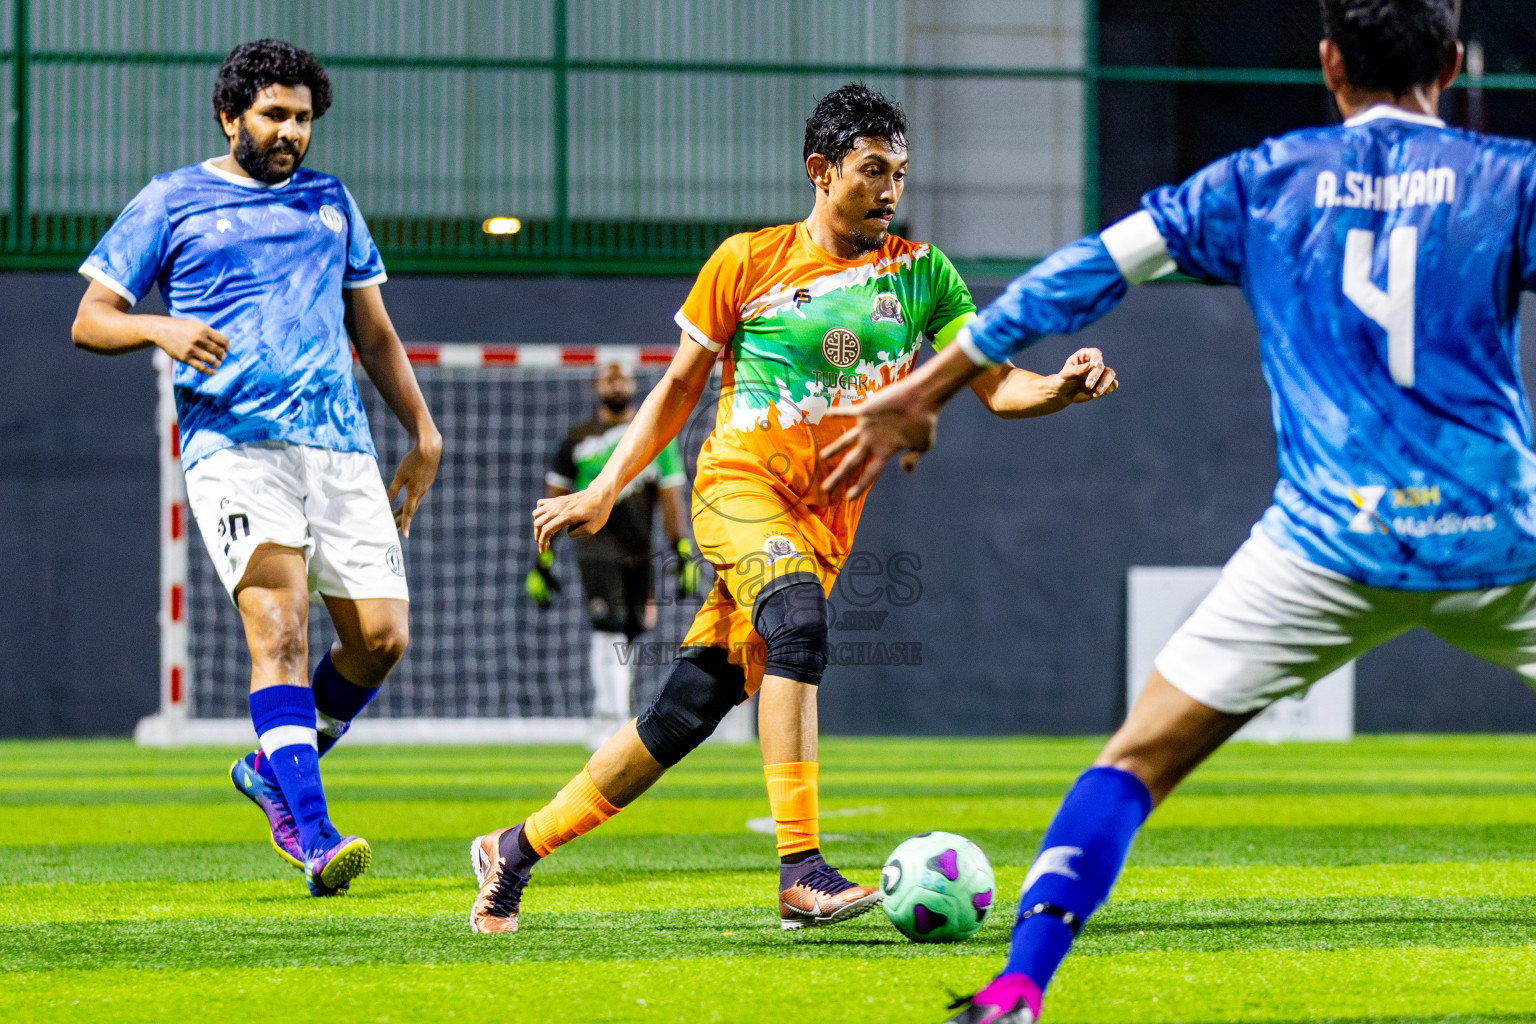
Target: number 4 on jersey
(1393, 308)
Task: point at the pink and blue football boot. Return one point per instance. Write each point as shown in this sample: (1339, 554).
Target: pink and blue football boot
(1007, 999)
(285, 832)
(330, 869)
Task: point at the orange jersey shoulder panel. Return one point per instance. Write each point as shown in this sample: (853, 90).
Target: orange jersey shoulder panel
(755, 271)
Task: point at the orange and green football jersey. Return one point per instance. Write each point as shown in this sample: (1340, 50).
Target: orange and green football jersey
(803, 333)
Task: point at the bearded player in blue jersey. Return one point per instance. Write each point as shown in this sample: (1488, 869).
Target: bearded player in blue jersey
(1384, 260)
(254, 255)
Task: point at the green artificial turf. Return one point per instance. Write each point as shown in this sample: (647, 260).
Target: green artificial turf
(1389, 879)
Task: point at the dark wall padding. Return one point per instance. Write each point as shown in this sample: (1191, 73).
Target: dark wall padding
(988, 595)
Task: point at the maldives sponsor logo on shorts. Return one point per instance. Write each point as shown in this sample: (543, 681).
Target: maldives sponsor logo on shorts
(779, 547)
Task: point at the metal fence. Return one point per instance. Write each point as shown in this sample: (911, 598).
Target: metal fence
(624, 136)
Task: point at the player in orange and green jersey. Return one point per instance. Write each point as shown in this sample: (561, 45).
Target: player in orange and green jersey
(807, 319)
(801, 331)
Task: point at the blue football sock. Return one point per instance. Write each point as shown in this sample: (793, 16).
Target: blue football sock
(338, 701)
(1080, 858)
(264, 768)
(284, 717)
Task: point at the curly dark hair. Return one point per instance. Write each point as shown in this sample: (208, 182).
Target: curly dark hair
(1392, 44)
(251, 67)
(853, 112)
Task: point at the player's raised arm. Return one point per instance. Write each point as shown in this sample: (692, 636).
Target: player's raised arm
(1065, 292)
(1012, 393)
(661, 417)
(383, 357)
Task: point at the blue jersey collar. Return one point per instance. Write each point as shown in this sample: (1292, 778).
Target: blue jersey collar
(1388, 111)
(242, 180)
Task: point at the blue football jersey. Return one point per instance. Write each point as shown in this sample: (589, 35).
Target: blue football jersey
(1383, 260)
(264, 265)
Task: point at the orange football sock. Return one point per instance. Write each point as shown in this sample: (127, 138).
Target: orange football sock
(576, 810)
(792, 798)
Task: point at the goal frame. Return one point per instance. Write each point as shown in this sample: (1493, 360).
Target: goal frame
(175, 723)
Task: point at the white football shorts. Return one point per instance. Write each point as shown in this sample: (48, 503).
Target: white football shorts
(1275, 624)
(330, 505)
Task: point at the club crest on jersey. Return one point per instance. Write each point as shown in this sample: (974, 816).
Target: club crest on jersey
(332, 218)
(840, 346)
(887, 310)
(779, 546)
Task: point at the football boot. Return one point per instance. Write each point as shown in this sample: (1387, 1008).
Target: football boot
(824, 896)
(285, 832)
(1007, 999)
(329, 870)
(500, 897)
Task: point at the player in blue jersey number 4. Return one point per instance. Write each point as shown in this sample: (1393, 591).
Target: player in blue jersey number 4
(253, 255)
(1383, 259)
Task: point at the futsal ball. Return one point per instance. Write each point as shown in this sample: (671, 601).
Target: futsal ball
(938, 887)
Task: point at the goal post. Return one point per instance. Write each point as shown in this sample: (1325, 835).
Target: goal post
(485, 664)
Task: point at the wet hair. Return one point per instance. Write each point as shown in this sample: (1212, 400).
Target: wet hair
(251, 67)
(853, 112)
(1392, 45)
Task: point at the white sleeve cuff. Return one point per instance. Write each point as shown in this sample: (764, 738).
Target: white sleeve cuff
(1138, 248)
(556, 480)
(94, 273)
(367, 282)
(968, 346)
(694, 333)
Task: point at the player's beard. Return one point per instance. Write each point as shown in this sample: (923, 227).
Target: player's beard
(863, 242)
(256, 161)
(618, 404)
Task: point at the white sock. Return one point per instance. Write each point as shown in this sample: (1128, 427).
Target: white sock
(610, 677)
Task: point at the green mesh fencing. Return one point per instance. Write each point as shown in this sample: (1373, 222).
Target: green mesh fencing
(623, 137)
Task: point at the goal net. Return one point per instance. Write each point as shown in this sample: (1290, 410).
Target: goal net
(485, 663)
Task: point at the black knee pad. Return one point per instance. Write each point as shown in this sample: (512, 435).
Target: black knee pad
(791, 616)
(702, 687)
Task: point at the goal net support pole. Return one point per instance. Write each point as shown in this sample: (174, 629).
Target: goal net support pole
(169, 726)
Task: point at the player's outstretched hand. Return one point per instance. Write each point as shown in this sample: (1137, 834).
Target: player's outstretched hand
(415, 474)
(187, 341)
(1084, 377)
(581, 512)
(895, 420)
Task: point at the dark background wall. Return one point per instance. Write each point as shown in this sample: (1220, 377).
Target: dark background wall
(78, 522)
(1151, 133)
(1004, 556)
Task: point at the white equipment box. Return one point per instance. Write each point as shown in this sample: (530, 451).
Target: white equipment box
(1160, 598)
